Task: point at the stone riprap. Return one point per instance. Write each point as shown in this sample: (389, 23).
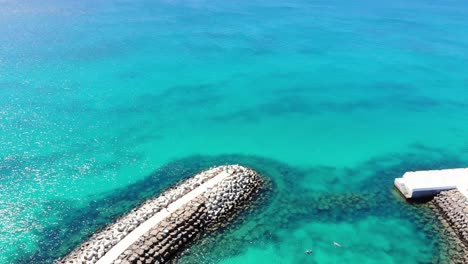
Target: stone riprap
(452, 207)
(166, 238)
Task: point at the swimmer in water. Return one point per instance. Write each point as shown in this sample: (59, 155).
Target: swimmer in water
(336, 244)
(308, 252)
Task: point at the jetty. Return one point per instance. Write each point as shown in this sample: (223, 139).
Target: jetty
(423, 184)
(159, 229)
(448, 194)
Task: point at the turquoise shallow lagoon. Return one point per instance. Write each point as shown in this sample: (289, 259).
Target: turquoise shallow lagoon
(105, 103)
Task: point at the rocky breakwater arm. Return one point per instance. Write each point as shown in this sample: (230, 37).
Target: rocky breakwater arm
(452, 208)
(157, 231)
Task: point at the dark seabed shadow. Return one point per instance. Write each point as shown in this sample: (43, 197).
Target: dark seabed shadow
(279, 209)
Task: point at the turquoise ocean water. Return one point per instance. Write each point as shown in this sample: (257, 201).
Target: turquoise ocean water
(104, 103)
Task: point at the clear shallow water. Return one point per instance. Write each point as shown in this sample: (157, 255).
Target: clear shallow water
(102, 104)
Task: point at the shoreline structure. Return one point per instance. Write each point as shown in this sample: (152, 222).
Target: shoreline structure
(448, 191)
(161, 227)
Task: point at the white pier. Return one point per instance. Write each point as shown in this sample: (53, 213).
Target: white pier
(420, 184)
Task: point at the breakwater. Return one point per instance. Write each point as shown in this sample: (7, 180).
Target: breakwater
(449, 194)
(452, 208)
(157, 230)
